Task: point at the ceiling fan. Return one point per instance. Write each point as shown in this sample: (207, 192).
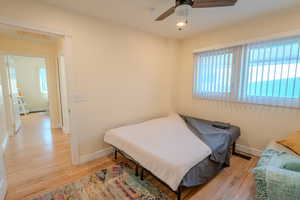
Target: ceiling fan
(183, 8)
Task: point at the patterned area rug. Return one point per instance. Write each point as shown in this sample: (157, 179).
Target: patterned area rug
(116, 183)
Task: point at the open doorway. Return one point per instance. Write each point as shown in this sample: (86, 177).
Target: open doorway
(28, 87)
(36, 112)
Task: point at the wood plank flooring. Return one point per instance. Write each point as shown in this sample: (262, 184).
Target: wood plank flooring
(38, 159)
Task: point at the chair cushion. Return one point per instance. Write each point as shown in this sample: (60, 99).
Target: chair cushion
(292, 166)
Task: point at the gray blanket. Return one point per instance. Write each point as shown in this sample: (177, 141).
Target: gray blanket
(219, 140)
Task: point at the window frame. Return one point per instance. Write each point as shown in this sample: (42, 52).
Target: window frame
(238, 78)
(211, 94)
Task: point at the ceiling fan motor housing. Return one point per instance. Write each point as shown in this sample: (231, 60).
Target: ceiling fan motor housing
(184, 2)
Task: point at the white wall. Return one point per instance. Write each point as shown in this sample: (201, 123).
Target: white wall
(28, 81)
(259, 124)
(119, 75)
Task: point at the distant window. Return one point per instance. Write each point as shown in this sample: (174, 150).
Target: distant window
(43, 81)
(262, 73)
(13, 80)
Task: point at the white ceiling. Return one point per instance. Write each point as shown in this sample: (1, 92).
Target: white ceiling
(141, 13)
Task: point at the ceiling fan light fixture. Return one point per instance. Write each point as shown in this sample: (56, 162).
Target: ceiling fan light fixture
(181, 24)
(183, 15)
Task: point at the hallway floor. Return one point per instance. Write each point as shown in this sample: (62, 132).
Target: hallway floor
(38, 159)
(35, 155)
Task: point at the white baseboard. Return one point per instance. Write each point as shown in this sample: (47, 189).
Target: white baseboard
(4, 143)
(95, 155)
(109, 150)
(249, 150)
(66, 131)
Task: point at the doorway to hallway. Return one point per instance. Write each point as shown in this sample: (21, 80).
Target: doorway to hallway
(28, 87)
(34, 144)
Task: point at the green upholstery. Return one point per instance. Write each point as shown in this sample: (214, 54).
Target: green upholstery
(293, 166)
(277, 176)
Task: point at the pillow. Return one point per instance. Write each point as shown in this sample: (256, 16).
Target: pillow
(293, 166)
(221, 125)
(292, 142)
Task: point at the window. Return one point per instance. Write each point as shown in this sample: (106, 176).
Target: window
(43, 81)
(13, 80)
(213, 77)
(262, 73)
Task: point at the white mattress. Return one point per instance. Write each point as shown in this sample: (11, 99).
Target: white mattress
(165, 146)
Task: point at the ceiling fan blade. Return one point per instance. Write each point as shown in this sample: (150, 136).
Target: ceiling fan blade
(213, 3)
(166, 14)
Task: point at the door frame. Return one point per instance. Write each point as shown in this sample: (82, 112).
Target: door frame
(67, 50)
(64, 114)
(15, 124)
(6, 96)
(3, 179)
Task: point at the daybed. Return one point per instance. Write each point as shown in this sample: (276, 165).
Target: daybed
(178, 150)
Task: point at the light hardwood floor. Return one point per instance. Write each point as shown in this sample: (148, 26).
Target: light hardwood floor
(38, 159)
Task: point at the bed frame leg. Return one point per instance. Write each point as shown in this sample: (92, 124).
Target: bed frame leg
(116, 153)
(239, 154)
(142, 174)
(179, 193)
(136, 170)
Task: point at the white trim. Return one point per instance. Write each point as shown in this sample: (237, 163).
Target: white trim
(249, 150)
(6, 97)
(75, 140)
(4, 143)
(31, 27)
(248, 41)
(95, 155)
(3, 189)
(62, 77)
(3, 177)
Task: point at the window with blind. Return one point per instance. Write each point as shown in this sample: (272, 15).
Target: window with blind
(43, 81)
(262, 73)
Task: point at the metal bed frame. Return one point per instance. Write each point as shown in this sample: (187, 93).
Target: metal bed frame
(179, 190)
(137, 165)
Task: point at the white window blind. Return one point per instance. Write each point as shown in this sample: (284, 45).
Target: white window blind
(214, 77)
(262, 73)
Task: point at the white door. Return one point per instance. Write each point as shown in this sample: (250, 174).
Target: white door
(63, 94)
(13, 94)
(3, 135)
